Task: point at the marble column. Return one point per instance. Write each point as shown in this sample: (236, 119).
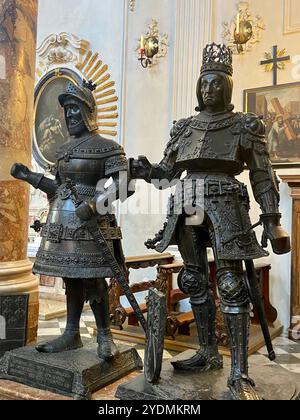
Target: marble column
(18, 21)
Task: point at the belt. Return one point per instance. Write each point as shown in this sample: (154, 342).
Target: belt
(64, 193)
(56, 233)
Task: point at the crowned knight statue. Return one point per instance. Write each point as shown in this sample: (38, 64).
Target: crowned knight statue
(213, 148)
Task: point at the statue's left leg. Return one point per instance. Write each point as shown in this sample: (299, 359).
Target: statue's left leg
(97, 293)
(194, 281)
(236, 309)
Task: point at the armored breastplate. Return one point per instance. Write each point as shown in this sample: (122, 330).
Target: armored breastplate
(67, 248)
(82, 171)
(209, 143)
(85, 161)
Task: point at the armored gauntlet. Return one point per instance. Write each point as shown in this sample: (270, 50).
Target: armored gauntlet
(38, 181)
(140, 168)
(274, 232)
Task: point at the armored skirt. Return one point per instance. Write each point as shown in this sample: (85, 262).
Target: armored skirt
(226, 218)
(67, 248)
(213, 149)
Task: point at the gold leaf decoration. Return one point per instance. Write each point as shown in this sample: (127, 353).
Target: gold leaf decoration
(93, 69)
(70, 49)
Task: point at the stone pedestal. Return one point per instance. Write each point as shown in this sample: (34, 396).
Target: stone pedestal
(272, 383)
(77, 373)
(17, 74)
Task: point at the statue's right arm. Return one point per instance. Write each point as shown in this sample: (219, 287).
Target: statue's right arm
(141, 168)
(38, 181)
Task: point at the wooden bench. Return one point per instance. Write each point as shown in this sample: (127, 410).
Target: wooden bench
(118, 313)
(179, 323)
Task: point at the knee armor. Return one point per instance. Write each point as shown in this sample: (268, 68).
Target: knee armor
(194, 283)
(233, 292)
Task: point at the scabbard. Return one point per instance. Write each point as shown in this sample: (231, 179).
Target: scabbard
(257, 302)
(119, 274)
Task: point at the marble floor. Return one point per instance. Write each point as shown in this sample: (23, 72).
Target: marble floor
(287, 351)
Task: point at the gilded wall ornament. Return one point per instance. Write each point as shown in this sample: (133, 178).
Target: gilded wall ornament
(63, 48)
(244, 30)
(275, 61)
(67, 50)
(163, 42)
(131, 4)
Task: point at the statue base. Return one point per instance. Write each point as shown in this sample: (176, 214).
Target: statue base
(272, 383)
(75, 373)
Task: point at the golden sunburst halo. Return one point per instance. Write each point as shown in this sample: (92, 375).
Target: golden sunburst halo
(92, 68)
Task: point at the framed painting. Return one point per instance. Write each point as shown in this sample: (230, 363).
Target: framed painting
(49, 129)
(279, 106)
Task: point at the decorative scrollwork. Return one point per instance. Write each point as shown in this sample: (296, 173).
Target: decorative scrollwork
(131, 4)
(61, 48)
(245, 15)
(65, 48)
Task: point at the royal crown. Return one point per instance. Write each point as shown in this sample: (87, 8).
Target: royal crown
(217, 57)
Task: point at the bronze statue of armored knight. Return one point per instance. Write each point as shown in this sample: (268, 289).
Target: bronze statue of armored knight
(214, 147)
(68, 249)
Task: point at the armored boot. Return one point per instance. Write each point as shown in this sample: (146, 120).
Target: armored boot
(207, 357)
(107, 349)
(239, 383)
(100, 307)
(70, 339)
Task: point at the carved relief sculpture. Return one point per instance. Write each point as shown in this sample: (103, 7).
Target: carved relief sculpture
(59, 50)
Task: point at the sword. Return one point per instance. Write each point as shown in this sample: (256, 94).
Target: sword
(119, 275)
(240, 234)
(257, 301)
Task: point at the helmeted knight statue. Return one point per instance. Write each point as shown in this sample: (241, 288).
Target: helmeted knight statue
(68, 249)
(213, 147)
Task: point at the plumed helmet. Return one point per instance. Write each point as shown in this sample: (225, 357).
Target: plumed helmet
(83, 97)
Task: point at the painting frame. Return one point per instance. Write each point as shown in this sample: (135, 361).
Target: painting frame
(49, 129)
(281, 115)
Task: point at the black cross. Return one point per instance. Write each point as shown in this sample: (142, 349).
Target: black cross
(275, 60)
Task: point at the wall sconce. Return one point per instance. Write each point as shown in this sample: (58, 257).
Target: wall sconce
(243, 33)
(148, 49)
(244, 30)
(152, 46)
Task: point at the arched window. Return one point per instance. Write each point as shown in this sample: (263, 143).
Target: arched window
(2, 328)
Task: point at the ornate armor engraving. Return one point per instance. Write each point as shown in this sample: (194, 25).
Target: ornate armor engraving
(213, 147)
(67, 249)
